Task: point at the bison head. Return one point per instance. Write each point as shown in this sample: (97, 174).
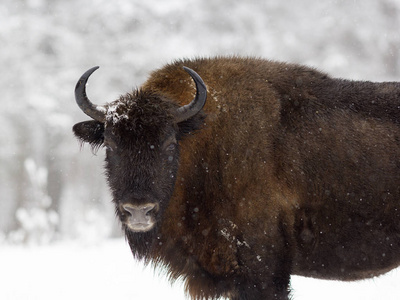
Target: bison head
(141, 133)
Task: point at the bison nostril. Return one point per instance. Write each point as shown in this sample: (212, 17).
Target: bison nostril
(149, 208)
(139, 210)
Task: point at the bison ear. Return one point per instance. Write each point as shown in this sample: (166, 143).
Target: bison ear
(192, 124)
(91, 132)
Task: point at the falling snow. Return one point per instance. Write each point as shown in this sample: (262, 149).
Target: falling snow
(56, 216)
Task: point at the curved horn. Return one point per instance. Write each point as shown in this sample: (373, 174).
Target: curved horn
(96, 112)
(189, 110)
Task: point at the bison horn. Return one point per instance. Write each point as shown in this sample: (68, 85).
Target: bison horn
(189, 110)
(96, 112)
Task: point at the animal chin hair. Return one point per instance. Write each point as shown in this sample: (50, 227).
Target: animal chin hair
(141, 243)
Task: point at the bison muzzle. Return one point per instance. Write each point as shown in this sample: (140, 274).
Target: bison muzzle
(272, 169)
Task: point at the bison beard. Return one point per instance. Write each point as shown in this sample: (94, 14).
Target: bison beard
(141, 243)
(285, 170)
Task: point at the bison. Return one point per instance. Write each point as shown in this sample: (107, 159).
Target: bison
(272, 169)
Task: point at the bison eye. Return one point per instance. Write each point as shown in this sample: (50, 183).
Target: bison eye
(170, 152)
(171, 147)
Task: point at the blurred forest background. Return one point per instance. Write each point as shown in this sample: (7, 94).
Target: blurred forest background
(49, 188)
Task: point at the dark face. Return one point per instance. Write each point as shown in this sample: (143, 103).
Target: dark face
(141, 139)
(141, 174)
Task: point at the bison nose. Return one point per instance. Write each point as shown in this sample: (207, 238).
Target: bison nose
(140, 218)
(138, 211)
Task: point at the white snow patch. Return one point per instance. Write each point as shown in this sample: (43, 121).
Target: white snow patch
(226, 234)
(74, 271)
(383, 287)
(113, 116)
(108, 271)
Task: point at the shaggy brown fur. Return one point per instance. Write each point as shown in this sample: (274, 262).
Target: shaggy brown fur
(291, 172)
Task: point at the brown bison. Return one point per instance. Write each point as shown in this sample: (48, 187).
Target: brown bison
(285, 170)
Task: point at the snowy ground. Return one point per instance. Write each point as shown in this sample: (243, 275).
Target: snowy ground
(107, 271)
